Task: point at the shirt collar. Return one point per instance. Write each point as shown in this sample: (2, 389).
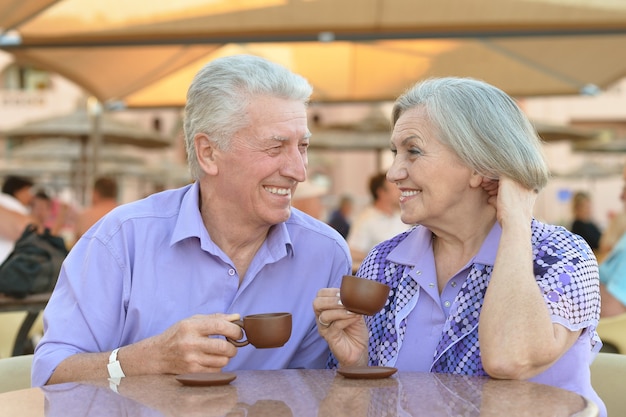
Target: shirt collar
(487, 253)
(419, 241)
(189, 224)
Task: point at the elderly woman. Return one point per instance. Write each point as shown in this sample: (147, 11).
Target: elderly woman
(479, 287)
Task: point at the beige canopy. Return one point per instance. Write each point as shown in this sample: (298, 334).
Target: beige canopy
(144, 53)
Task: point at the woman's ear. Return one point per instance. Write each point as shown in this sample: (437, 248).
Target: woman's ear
(206, 153)
(476, 180)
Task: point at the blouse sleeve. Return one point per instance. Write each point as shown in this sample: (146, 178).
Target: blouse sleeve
(567, 273)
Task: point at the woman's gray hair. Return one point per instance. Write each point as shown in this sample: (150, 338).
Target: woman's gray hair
(221, 91)
(482, 125)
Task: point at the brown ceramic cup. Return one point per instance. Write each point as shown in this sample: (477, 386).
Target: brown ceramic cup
(269, 330)
(362, 295)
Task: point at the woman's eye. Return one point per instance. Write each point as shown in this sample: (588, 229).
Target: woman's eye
(415, 151)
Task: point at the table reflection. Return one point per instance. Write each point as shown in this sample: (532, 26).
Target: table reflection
(315, 393)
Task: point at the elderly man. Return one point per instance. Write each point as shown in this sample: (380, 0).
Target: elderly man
(155, 285)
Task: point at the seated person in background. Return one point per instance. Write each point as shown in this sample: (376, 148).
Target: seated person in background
(378, 221)
(613, 280)
(42, 211)
(616, 227)
(583, 224)
(479, 286)
(340, 217)
(154, 286)
(103, 200)
(15, 201)
(308, 199)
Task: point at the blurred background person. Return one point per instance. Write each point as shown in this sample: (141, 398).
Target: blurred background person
(15, 200)
(309, 199)
(583, 224)
(41, 209)
(613, 280)
(103, 200)
(49, 213)
(377, 222)
(340, 217)
(616, 227)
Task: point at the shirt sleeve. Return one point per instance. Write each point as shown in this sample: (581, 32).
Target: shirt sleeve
(86, 311)
(567, 273)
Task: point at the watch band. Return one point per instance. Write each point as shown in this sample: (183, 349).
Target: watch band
(114, 367)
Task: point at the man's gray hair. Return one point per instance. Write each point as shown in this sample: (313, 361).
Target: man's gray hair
(221, 91)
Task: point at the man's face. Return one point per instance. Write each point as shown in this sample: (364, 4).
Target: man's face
(259, 173)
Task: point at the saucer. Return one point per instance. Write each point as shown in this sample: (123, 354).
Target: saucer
(205, 379)
(367, 372)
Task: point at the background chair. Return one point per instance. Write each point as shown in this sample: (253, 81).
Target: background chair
(612, 331)
(15, 373)
(607, 378)
(10, 323)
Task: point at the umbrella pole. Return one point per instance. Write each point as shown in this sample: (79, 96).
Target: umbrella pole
(95, 112)
(82, 173)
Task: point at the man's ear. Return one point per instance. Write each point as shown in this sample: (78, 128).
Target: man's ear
(206, 153)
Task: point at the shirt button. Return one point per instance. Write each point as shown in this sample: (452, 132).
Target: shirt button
(431, 285)
(447, 304)
(453, 284)
(231, 272)
(418, 272)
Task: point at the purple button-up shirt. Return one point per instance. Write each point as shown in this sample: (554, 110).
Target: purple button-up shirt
(151, 263)
(422, 330)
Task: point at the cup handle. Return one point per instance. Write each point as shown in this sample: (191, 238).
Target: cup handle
(239, 343)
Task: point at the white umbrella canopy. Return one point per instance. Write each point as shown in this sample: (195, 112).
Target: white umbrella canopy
(91, 132)
(350, 50)
(62, 149)
(602, 145)
(550, 132)
(592, 170)
(30, 168)
(373, 132)
(80, 125)
(66, 168)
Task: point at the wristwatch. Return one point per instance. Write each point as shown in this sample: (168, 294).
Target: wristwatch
(114, 367)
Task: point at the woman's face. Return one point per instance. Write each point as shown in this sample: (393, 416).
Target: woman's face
(434, 182)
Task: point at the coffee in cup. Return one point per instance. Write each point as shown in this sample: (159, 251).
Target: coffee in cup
(268, 330)
(362, 295)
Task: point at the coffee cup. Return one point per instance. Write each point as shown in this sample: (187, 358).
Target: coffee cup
(362, 295)
(268, 330)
